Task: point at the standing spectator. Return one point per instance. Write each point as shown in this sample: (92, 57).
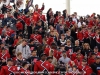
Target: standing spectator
(49, 14)
(37, 9)
(24, 49)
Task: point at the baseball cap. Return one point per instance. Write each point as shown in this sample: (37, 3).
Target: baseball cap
(95, 47)
(97, 57)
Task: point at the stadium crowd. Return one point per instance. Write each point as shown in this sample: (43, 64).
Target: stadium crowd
(32, 43)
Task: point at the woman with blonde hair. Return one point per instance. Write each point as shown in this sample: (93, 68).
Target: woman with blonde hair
(86, 50)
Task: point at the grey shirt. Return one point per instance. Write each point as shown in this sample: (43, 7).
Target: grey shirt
(64, 60)
(24, 50)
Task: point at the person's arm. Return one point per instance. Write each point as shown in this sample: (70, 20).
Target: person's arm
(35, 69)
(17, 49)
(29, 51)
(43, 6)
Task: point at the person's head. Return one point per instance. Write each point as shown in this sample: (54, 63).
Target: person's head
(86, 46)
(97, 59)
(60, 21)
(31, 41)
(95, 49)
(78, 56)
(3, 50)
(39, 23)
(36, 31)
(9, 62)
(20, 36)
(25, 65)
(8, 14)
(2, 45)
(59, 13)
(62, 47)
(62, 36)
(64, 53)
(84, 62)
(34, 52)
(77, 42)
(74, 68)
(43, 56)
(36, 6)
(51, 28)
(68, 42)
(53, 46)
(78, 50)
(40, 12)
(93, 55)
(49, 59)
(8, 28)
(68, 32)
(75, 13)
(64, 11)
(24, 42)
(19, 55)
